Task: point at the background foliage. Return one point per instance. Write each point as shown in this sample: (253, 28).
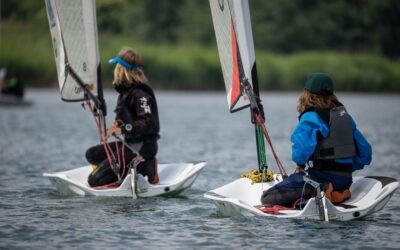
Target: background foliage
(356, 41)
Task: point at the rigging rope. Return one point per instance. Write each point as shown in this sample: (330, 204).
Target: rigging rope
(261, 122)
(110, 155)
(258, 117)
(109, 152)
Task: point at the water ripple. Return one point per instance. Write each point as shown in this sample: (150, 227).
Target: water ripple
(51, 136)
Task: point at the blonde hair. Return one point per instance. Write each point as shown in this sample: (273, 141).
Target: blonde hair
(125, 77)
(308, 100)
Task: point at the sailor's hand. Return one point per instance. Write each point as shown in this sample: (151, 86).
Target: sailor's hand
(115, 124)
(113, 130)
(298, 169)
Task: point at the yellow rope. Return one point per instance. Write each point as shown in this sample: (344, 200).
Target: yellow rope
(256, 177)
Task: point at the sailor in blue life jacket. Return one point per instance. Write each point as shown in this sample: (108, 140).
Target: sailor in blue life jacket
(327, 140)
(136, 119)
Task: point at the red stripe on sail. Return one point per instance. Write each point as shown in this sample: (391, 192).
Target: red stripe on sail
(235, 74)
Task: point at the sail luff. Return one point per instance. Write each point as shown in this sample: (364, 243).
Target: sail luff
(90, 23)
(244, 36)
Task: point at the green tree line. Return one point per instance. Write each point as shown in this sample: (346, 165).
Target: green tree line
(356, 41)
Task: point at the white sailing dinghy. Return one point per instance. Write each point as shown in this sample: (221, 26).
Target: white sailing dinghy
(232, 25)
(12, 100)
(174, 179)
(73, 29)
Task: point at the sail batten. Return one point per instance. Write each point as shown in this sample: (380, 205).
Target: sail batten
(73, 28)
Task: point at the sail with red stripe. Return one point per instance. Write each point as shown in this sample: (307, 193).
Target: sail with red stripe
(232, 25)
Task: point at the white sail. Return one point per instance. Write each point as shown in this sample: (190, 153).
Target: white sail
(232, 25)
(73, 28)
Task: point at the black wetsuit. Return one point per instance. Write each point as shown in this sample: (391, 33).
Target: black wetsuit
(138, 113)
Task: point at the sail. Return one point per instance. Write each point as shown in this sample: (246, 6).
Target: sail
(73, 29)
(232, 25)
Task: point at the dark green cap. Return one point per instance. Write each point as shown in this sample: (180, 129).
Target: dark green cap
(319, 84)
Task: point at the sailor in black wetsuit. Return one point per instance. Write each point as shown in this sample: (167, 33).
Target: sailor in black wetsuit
(136, 119)
(327, 139)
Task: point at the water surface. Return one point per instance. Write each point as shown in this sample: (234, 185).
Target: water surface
(52, 136)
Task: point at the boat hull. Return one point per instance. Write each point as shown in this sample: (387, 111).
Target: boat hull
(12, 100)
(369, 195)
(173, 179)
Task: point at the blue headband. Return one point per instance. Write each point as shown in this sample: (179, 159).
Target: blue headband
(123, 63)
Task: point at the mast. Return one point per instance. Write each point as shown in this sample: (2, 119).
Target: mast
(260, 143)
(100, 96)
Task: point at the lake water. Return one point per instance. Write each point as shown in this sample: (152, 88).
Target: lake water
(52, 135)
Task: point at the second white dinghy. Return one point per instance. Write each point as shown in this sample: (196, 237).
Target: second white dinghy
(368, 195)
(234, 37)
(175, 178)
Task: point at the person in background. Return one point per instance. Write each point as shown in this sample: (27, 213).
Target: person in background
(326, 140)
(136, 119)
(3, 73)
(9, 84)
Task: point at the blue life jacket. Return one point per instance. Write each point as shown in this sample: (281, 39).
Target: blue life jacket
(331, 144)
